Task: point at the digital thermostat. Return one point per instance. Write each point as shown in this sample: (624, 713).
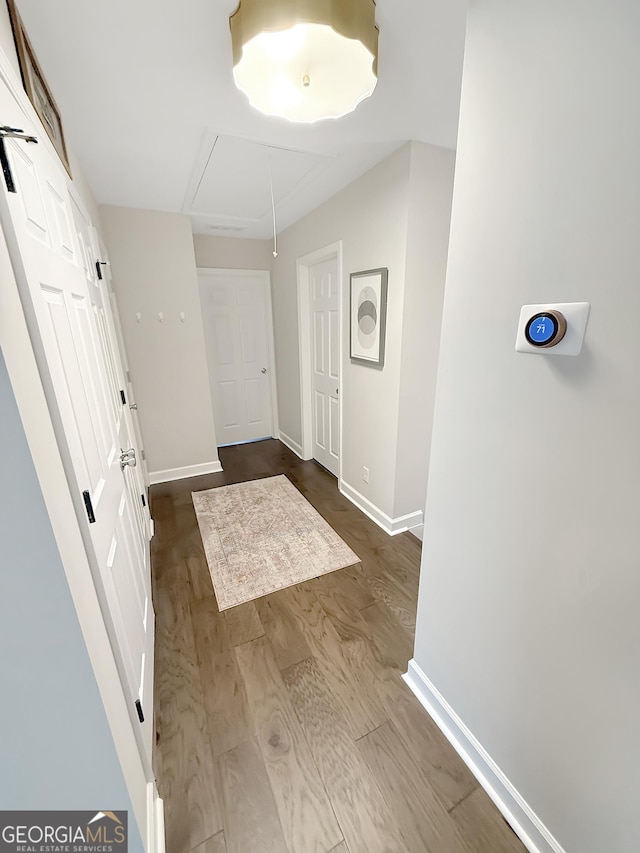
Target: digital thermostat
(556, 329)
(545, 329)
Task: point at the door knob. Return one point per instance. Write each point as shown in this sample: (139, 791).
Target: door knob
(128, 457)
(134, 406)
(264, 370)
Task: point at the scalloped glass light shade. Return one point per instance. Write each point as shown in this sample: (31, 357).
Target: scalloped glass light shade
(310, 70)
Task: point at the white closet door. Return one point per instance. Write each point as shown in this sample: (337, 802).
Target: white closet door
(69, 323)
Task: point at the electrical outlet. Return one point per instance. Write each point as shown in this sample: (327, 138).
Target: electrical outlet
(365, 474)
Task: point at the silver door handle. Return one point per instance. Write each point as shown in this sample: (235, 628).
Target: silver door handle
(134, 406)
(128, 457)
(264, 370)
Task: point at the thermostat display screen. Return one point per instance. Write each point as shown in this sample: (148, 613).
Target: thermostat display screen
(541, 329)
(545, 329)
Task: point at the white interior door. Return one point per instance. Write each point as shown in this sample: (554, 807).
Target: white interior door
(69, 316)
(139, 481)
(235, 311)
(325, 357)
(95, 262)
(142, 469)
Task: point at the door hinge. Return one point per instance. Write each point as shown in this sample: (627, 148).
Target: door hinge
(139, 710)
(89, 507)
(123, 398)
(12, 133)
(143, 499)
(142, 453)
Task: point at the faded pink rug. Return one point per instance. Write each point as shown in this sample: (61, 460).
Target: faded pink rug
(263, 536)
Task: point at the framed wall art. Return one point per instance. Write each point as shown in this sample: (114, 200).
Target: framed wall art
(36, 86)
(368, 300)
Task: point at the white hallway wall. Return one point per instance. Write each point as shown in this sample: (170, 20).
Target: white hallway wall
(428, 221)
(154, 271)
(6, 39)
(370, 217)
(154, 261)
(527, 620)
(378, 218)
(232, 253)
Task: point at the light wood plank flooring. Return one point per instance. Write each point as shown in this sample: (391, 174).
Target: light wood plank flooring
(282, 725)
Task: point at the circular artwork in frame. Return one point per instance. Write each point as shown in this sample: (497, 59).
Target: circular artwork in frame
(368, 309)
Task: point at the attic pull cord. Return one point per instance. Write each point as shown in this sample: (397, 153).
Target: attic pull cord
(273, 208)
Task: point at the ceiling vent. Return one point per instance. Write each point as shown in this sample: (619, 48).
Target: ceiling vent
(211, 227)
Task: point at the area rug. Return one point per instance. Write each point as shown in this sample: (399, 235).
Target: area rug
(263, 536)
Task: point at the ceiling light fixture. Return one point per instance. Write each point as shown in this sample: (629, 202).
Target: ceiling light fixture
(305, 60)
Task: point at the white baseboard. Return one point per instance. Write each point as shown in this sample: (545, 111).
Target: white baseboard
(516, 811)
(182, 473)
(291, 444)
(418, 531)
(392, 526)
(155, 820)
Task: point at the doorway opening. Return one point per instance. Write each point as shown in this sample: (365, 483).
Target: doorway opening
(320, 308)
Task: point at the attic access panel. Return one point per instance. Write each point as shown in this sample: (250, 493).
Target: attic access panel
(234, 182)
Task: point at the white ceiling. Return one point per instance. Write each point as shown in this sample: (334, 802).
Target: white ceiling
(146, 93)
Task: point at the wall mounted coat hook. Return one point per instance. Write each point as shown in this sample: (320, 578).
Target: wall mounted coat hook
(161, 316)
(138, 317)
(183, 316)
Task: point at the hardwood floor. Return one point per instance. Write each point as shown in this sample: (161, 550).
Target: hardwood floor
(283, 725)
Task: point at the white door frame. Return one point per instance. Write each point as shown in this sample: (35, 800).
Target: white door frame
(52, 464)
(303, 268)
(218, 272)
